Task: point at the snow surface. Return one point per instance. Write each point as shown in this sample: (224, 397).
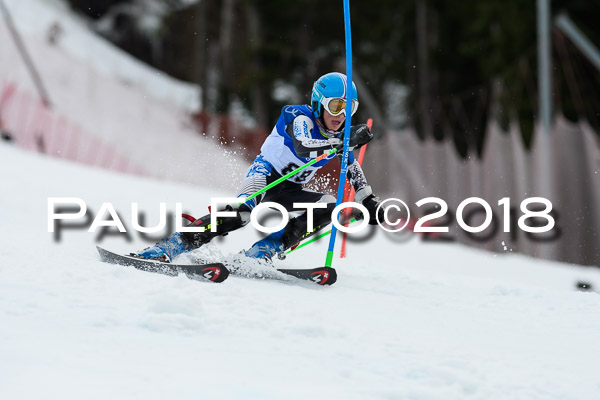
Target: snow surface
(114, 98)
(35, 18)
(407, 320)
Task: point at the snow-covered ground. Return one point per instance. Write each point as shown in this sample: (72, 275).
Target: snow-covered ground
(404, 321)
(37, 18)
(108, 98)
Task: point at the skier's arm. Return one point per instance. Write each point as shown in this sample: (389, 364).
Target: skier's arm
(304, 144)
(359, 136)
(358, 180)
(364, 193)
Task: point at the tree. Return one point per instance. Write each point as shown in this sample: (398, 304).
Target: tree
(454, 59)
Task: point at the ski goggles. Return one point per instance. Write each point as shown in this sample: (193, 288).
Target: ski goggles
(336, 105)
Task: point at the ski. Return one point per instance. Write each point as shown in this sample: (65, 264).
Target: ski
(321, 276)
(211, 271)
(261, 269)
(214, 272)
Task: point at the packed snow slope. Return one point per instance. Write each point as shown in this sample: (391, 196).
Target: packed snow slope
(406, 320)
(77, 43)
(103, 98)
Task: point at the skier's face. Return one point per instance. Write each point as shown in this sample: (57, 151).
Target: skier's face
(333, 122)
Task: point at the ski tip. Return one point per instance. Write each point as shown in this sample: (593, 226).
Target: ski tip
(324, 276)
(104, 254)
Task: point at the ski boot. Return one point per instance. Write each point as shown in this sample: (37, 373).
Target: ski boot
(267, 248)
(165, 250)
(295, 230)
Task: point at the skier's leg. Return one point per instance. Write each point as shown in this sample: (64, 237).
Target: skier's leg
(181, 242)
(171, 247)
(224, 225)
(297, 228)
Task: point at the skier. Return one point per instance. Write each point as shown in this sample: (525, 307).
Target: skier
(302, 133)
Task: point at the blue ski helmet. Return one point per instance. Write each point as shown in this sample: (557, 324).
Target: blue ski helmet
(331, 85)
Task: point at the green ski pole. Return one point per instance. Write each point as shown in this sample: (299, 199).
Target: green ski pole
(294, 172)
(314, 239)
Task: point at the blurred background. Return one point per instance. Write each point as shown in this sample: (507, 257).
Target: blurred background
(491, 99)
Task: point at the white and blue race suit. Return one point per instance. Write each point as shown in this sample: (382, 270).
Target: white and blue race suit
(294, 141)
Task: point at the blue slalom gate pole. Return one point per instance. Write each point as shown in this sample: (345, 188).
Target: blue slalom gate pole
(344, 169)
